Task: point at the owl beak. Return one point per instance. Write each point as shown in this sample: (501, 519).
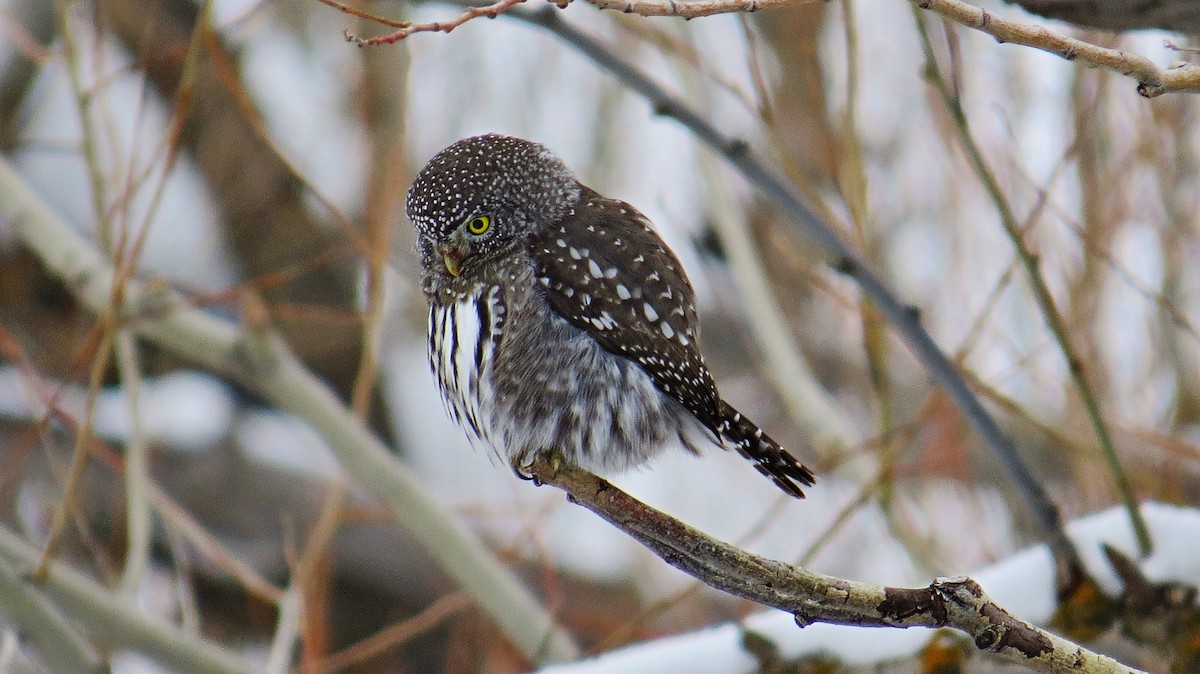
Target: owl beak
(453, 264)
(453, 251)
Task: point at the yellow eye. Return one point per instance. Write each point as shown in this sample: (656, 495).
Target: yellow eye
(479, 224)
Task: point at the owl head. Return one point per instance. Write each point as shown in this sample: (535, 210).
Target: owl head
(483, 196)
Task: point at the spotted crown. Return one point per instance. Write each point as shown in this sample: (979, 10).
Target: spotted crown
(490, 173)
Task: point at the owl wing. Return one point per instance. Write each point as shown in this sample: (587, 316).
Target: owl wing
(605, 270)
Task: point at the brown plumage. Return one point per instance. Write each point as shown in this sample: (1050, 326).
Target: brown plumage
(559, 320)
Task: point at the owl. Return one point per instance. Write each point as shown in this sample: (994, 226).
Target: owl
(560, 323)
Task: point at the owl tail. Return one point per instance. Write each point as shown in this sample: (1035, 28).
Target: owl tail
(741, 434)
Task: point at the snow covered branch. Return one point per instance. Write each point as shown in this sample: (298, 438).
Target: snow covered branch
(958, 603)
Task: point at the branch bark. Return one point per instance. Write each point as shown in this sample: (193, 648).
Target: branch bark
(1152, 80)
(958, 603)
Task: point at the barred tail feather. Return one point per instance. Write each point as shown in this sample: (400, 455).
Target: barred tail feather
(741, 434)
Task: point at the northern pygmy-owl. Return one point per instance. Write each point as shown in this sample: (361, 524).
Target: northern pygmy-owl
(560, 322)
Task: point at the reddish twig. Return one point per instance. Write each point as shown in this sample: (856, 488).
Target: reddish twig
(406, 28)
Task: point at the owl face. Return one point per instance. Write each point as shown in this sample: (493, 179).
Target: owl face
(482, 197)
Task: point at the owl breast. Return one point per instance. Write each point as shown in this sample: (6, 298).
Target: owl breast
(464, 334)
(524, 381)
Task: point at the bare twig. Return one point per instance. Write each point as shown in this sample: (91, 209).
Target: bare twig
(690, 9)
(179, 523)
(397, 634)
(43, 626)
(1152, 80)
(119, 623)
(1041, 290)
(406, 28)
(958, 603)
(138, 520)
(818, 411)
(287, 630)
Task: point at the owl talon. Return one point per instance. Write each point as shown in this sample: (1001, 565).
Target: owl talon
(526, 473)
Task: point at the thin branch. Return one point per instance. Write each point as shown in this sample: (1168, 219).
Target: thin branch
(138, 520)
(903, 318)
(395, 635)
(311, 574)
(179, 523)
(1152, 80)
(43, 626)
(788, 370)
(406, 28)
(114, 621)
(287, 630)
(958, 602)
(261, 361)
(1037, 282)
(690, 9)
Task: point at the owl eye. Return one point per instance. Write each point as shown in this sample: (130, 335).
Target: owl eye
(479, 224)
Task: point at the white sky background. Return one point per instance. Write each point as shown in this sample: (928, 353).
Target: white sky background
(507, 77)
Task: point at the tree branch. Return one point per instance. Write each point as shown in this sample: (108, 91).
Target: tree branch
(958, 603)
(690, 9)
(43, 626)
(1152, 80)
(117, 622)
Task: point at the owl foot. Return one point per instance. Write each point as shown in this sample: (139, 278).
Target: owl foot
(547, 463)
(525, 472)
